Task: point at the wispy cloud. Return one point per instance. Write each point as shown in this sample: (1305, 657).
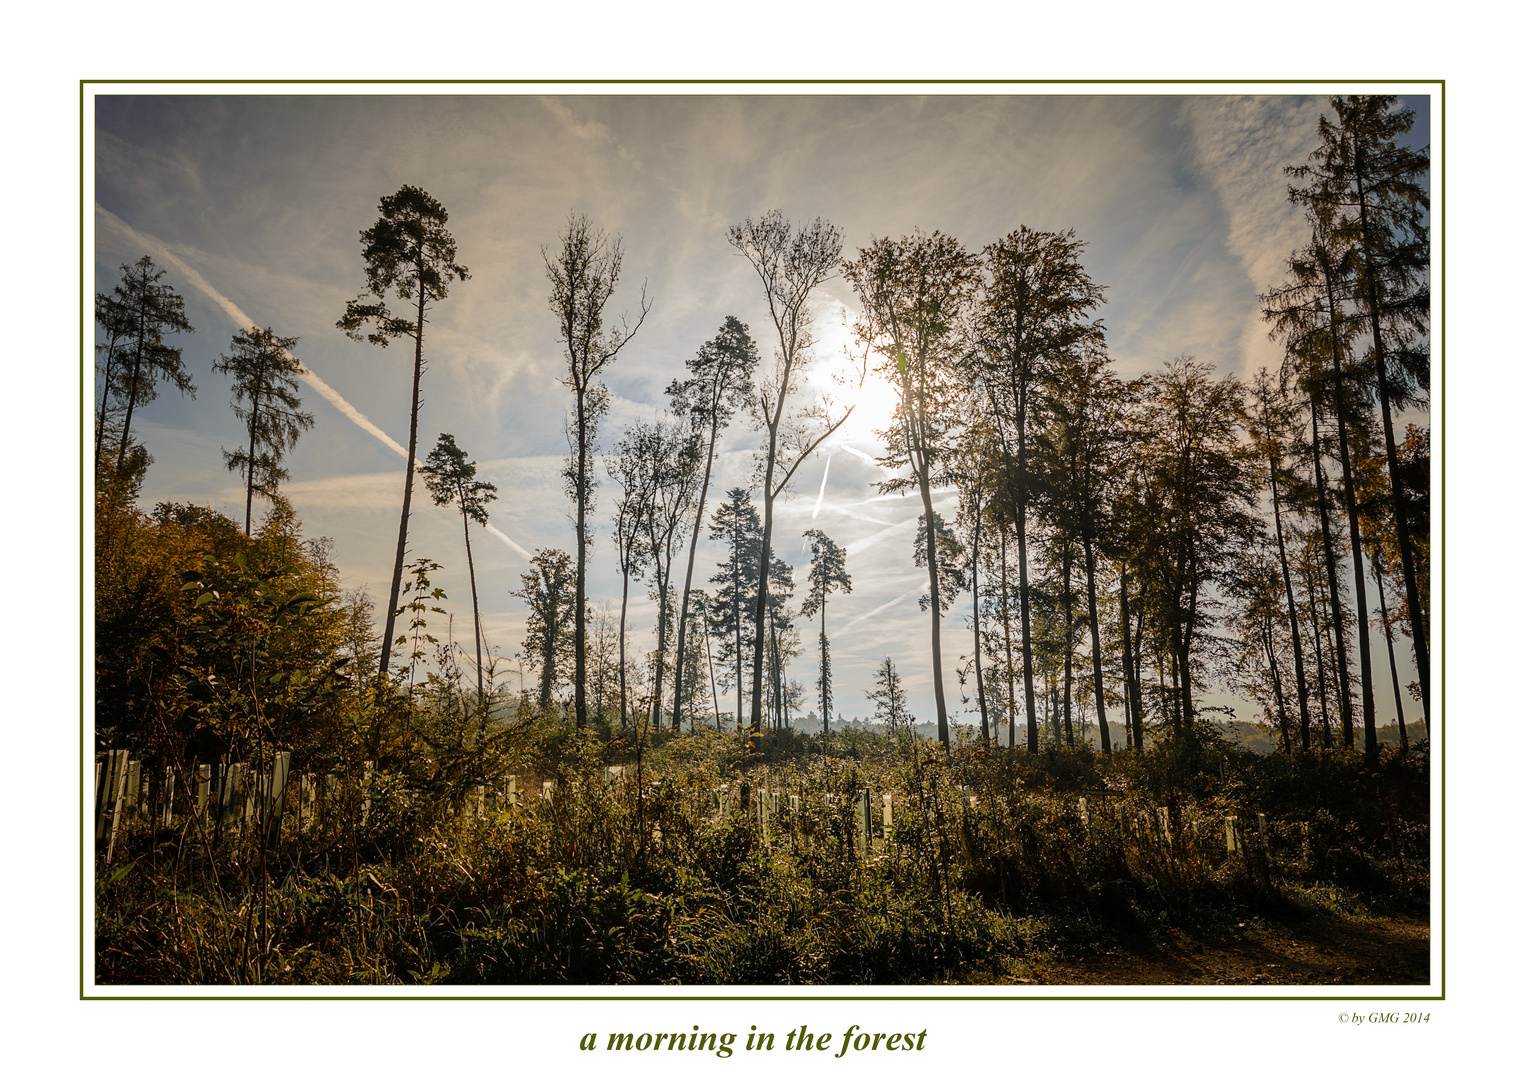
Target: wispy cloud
(877, 611)
(240, 318)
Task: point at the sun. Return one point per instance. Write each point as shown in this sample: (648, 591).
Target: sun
(833, 373)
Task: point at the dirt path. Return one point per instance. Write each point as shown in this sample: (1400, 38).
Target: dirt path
(1319, 952)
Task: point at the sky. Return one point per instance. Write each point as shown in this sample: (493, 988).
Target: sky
(254, 205)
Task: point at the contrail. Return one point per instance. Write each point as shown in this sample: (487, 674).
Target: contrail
(857, 547)
(239, 318)
(851, 449)
(876, 611)
(824, 474)
(495, 531)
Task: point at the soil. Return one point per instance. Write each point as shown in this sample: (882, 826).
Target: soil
(1319, 951)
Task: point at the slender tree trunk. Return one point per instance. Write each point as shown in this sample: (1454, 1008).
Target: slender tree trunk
(249, 465)
(1400, 514)
(1363, 622)
(1318, 657)
(579, 617)
(925, 487)
(407, 501)
(1175, 683)
(1392, 659)
(1347, 722)
(825, 672)
(663, 617)
(1069, 650)
(1282, 721)
(736, 602)
(1188, 701)
(774, 690)
(710, 656)
(1011, 667)
(137, 372)
(1101, 703)
(1304, 721)
(624, 688)
(1130, 670)
(688, 577)
(765, 557)
(476, 612)
(100, 427)
(1023, 593)
(979, 672)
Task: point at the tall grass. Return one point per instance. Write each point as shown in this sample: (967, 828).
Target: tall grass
(669, 874)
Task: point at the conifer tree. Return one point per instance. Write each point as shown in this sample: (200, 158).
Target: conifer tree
(1373, 192)
(409, 253)
(889, 699)
(719, 383)
(736, 523)
(265, 398)
(452, 480)
(828, 571)
(136, 317)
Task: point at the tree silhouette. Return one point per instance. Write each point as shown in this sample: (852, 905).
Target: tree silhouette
(737, 524)
(452, 480)
(583, 275)
(719, 383)
(1373, 193)
(1201, 470)
(828, 571)
(1035, 306)
(548, 591)
(913, 292)
(1309, 311)
(633, 469)
(889, 699)
(1086, 433)
(265, 398)
(136, 316)
(673, 451)
(410, 253)
(1267, 421)
(791, 263)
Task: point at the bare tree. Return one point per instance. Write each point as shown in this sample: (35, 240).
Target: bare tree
(583, 274)
(791, 263)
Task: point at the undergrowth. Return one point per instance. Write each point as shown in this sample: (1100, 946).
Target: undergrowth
(668, 874)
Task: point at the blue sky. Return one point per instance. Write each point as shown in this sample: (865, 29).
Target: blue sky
(254, 205)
